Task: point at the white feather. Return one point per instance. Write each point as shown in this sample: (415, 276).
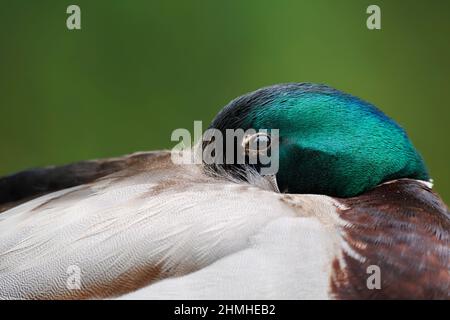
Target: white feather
(217, 238)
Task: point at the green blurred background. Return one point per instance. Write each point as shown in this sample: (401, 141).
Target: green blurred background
(139, 69)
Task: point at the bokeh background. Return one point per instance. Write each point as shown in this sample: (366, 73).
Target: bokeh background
(139, 69)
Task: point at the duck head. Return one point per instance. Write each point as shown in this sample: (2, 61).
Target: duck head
(330, 142)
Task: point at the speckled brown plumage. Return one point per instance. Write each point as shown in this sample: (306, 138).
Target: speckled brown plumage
(404, 228)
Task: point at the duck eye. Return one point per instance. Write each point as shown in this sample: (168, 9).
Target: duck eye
(256, 143)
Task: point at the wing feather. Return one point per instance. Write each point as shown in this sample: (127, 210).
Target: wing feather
(148, 222)
(25, 185)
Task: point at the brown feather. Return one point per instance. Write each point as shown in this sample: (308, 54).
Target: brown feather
(404, 229)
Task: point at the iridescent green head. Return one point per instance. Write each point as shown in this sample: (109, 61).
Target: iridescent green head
(330, 142)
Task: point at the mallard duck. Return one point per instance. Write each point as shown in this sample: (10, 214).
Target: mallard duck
(351, 196)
